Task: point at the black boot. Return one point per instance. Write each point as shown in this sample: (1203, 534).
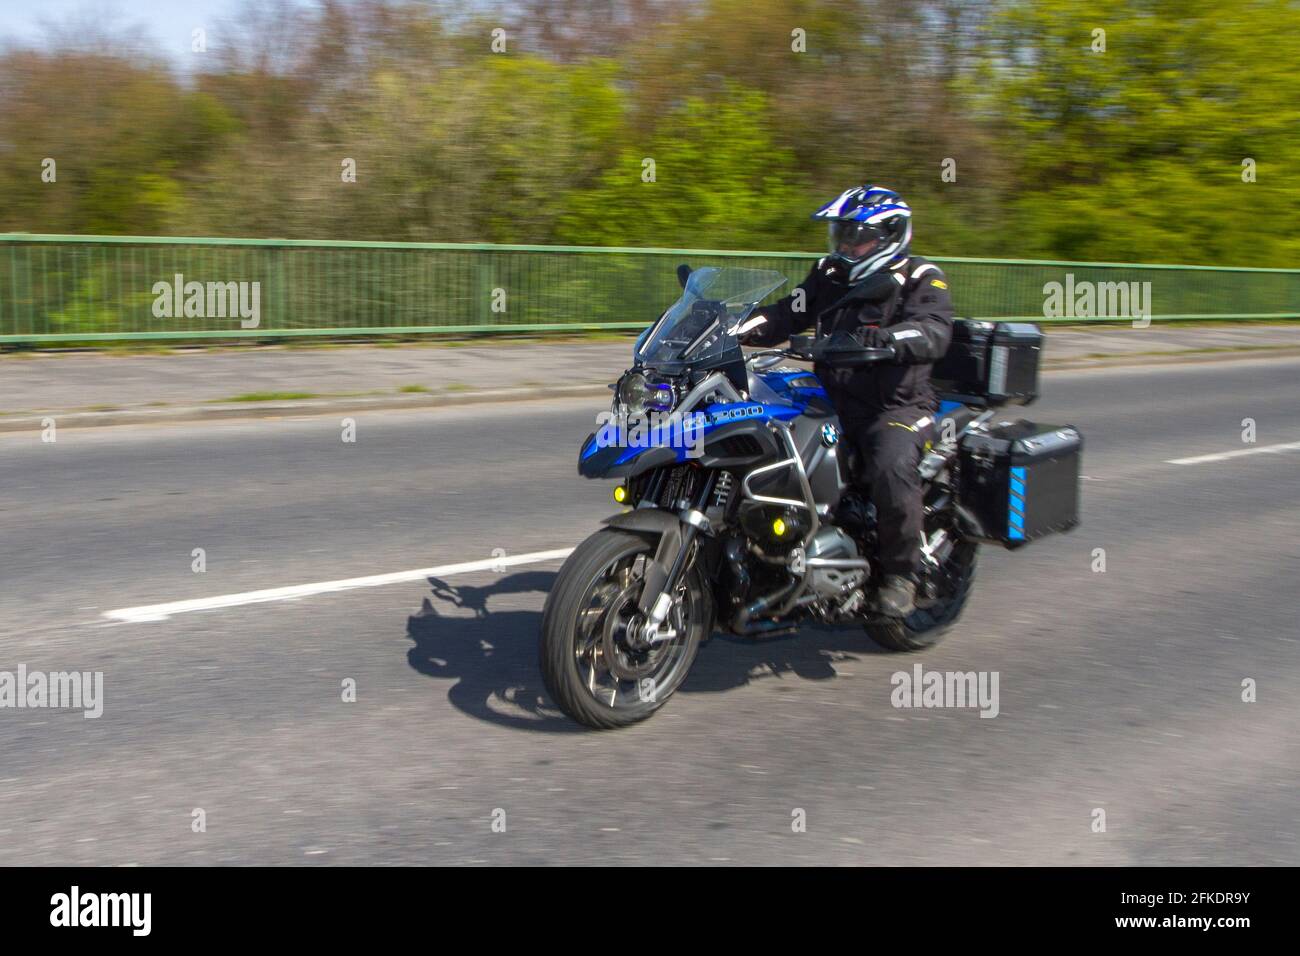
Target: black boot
(897, 596)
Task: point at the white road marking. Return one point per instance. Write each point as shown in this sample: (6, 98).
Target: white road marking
(1225, 455)
(161, 612)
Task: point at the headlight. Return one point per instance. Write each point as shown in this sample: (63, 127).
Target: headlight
(638, 395)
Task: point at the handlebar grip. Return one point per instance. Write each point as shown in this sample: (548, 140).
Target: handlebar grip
(839, 350)
(854, 358)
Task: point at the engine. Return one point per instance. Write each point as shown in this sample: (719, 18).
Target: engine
(837, 585)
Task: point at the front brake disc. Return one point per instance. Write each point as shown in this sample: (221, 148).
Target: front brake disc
(624, 661)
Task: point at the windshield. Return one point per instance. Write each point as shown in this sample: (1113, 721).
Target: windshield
(702, 324)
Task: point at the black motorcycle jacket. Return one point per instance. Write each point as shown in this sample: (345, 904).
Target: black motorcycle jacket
(910, 302)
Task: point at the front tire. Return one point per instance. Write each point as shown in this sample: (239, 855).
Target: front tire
(591, 664)
(926, 627)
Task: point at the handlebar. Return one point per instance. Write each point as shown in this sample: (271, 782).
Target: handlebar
(839, 350)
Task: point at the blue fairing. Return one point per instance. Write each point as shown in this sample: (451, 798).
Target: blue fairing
(616, 447)
(797, 386)
(615, 452)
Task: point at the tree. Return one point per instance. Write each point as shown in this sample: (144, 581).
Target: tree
(1136, 153)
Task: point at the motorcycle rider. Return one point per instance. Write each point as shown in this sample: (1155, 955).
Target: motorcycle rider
(871, 287)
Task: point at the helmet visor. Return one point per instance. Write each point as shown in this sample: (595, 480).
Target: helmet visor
(856, 240)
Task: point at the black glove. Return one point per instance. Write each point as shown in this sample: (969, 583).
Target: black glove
(874, 337)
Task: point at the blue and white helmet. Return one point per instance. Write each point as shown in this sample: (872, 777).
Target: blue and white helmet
(870, 227)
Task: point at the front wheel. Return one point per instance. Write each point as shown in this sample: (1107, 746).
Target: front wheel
(595, 661)
(926, 626)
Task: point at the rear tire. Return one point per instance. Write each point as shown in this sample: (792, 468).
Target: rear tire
(926, 627)
(583, 630)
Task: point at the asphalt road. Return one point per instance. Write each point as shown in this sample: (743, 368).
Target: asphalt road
(1119, 690)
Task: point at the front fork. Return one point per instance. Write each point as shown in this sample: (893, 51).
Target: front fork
(664, 573)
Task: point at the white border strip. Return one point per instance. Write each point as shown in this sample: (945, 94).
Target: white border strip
(161, 612)
(1225, 455)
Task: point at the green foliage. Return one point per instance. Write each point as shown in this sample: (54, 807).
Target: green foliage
(92, 306)
(1136, 153)
(753, 111)
(712, 176)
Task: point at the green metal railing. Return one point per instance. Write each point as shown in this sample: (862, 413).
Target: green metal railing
(108, 288)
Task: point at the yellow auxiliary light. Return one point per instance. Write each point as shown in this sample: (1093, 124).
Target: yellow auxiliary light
(620, 494)
(778, 527)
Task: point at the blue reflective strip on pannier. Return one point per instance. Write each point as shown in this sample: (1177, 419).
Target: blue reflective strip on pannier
(1016, 505)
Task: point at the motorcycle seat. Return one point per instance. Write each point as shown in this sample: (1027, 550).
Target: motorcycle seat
(961, 416)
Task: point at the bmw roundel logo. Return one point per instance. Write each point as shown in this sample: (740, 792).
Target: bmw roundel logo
(830, 435)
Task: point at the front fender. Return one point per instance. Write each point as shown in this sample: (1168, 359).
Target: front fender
(654, 520)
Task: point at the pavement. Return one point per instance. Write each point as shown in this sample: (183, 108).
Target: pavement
(1121, 683)
(107, 388)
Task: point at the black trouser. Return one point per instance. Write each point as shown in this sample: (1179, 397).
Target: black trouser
(890, 447)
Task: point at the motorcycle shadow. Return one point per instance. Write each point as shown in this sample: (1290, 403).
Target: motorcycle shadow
(492, 653)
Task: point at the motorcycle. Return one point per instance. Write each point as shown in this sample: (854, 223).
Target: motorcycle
(740, 505)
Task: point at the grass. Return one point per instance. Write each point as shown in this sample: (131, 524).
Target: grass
(137, 348)
(1216, 348)
(267, 397)
(412, 388)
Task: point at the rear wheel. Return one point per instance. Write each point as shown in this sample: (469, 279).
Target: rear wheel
(927, 626)
(596, 663)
